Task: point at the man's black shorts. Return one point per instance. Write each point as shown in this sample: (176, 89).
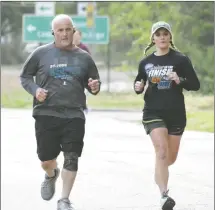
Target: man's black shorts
(55, 134)
(173, 120)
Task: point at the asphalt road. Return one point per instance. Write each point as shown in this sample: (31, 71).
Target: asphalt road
(116, 170)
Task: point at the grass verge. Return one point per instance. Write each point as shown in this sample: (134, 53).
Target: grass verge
(200, 109)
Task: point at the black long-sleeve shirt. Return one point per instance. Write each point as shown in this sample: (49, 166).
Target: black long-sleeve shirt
(162, 93)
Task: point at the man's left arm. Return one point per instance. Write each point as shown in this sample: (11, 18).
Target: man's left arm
(93, 80)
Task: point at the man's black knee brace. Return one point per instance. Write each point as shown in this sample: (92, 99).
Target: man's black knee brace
(70, 161)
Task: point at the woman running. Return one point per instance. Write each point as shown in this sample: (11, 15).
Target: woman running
(162, 76)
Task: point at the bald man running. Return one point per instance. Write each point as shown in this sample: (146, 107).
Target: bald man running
(62, 72)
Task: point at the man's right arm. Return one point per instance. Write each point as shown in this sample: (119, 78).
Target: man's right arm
(29, 70)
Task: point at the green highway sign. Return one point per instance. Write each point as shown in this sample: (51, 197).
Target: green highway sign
(99, 34)
(38, 29)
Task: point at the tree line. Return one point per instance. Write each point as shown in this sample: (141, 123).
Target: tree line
(130, 25)
(192, 24)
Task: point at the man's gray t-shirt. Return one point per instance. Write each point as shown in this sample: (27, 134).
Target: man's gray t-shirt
(65, 74)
